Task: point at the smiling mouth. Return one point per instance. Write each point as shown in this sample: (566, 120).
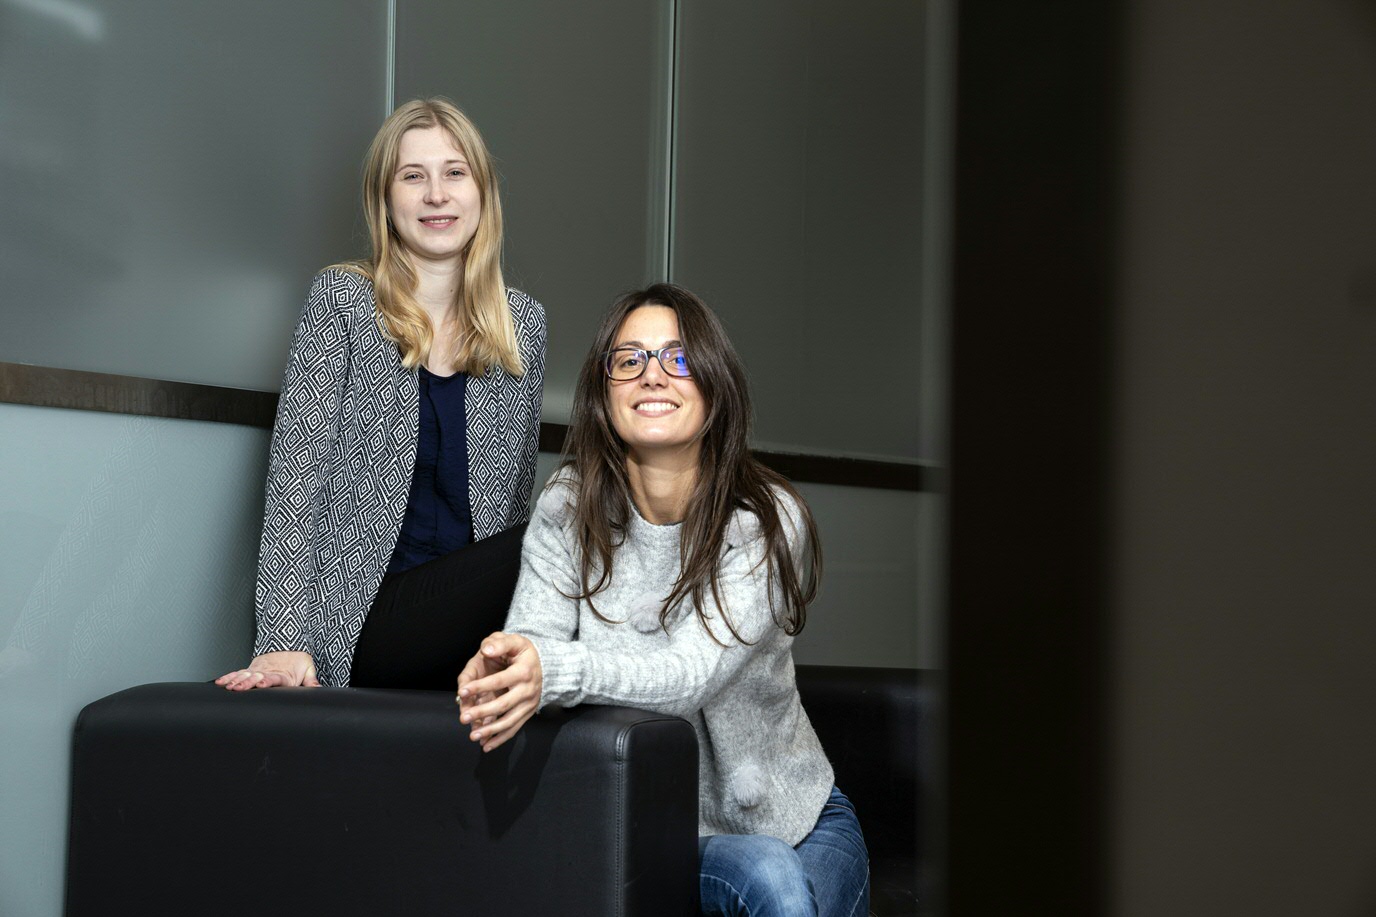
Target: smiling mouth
(441, 222)
(655, 407)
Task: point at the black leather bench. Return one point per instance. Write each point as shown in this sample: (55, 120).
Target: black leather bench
(187, 799)
(877, 726)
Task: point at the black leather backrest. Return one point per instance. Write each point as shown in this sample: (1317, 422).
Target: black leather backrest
(876, 726)
(187, 799)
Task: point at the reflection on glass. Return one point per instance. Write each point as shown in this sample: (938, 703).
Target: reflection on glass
(165, 204)
(799, 210)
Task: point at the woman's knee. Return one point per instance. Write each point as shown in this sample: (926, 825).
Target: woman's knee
(762, 877)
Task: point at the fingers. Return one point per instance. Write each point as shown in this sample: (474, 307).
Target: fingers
(468, 705)
(488, 674)
(270, 670)
(499, 732)
(500, 645)
(487, 706)
(495, 683)
(242, 680)
(239, 680)
(502, 664)
(248, 679)
(493, 722)
(472, 670)
(499, 689)
(478, 668)
(230, 679)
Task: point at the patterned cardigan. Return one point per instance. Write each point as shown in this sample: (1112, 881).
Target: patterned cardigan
(343, 451)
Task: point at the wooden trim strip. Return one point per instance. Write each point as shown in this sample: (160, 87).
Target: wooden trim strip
(44, 386)
(853, 472)
(814, 469)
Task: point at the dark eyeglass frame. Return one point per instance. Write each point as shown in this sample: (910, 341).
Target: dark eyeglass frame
(645, 362)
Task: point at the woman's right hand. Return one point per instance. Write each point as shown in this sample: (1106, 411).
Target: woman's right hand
(499, 689)
(272, 670)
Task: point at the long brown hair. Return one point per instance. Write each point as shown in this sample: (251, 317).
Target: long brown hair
(489, 337)
(729, 478)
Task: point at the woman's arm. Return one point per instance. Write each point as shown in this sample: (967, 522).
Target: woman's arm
(679, 677)
(540, 607)
(306, 428)
(525, 665)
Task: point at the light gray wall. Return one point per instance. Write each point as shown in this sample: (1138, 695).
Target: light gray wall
(127, 555)
(1242, 772)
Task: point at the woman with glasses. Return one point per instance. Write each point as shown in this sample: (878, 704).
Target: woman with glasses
(407, 427)
(665, 568)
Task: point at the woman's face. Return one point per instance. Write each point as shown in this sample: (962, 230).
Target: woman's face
(656, 412)
(433, 199)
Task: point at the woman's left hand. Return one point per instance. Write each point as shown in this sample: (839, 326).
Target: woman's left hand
(499, 689)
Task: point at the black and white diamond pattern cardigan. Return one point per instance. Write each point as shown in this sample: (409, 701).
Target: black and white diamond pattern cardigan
(340, 466)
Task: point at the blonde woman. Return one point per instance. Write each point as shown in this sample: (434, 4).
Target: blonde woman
(407, 430)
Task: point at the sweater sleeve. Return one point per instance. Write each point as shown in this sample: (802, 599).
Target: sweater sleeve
(541, 608)
(306, 428)
(685, 674)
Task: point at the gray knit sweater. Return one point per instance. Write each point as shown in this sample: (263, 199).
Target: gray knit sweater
(761, 769)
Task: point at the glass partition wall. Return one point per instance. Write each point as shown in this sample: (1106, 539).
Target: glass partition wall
(179, 171)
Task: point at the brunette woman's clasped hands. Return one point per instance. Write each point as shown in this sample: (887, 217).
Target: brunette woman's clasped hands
(499, 689)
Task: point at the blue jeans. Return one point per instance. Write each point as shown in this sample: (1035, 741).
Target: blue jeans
(754, 875)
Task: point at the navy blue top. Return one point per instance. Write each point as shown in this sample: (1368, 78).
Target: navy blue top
(438, 519)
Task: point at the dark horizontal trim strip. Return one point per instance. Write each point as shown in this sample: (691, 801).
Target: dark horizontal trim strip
(813, 469)
(43, 386)
(853, 472)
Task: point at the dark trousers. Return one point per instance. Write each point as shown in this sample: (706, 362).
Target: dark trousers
(427, 622)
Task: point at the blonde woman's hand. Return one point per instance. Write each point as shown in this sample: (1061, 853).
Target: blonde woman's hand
(272, 670)
(499, 689)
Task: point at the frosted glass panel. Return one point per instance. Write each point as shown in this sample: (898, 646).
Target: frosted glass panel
(172, 173)
(798, 209)
(881, 585)
(572, 99)
(127, 555)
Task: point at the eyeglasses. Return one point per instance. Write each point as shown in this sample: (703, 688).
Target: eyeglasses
(626, 363)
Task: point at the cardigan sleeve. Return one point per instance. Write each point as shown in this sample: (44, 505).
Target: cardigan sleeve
(306, 428)
(678, 678)
(532, 393)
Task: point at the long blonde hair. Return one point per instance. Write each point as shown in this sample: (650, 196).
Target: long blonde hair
(489, 336)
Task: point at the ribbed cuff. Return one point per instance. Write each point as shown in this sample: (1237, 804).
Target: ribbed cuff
(562, 664)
